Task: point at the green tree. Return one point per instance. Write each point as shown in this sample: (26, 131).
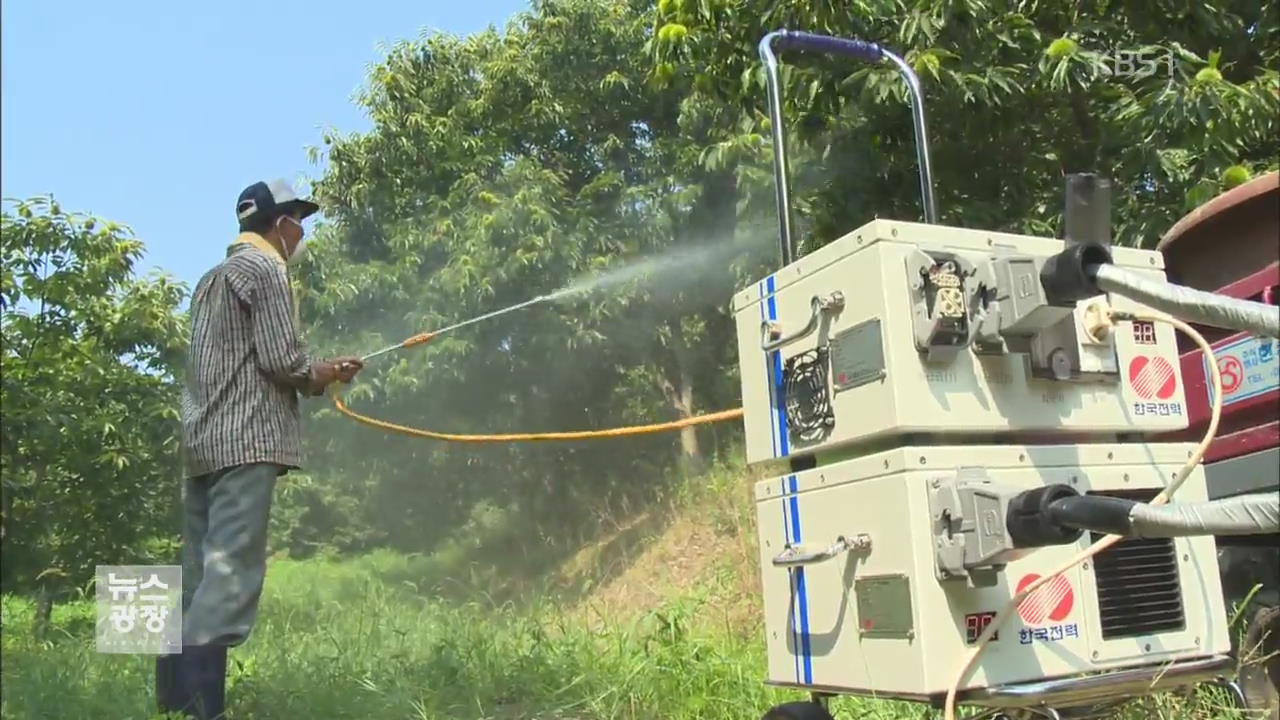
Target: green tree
(500, 167)
(1017, 95)
(89, 396)
(505, 165)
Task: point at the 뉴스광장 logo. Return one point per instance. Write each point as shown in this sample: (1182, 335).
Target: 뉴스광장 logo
(139, 609)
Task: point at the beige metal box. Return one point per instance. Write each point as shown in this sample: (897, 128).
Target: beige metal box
(877, 618)
(875, 382)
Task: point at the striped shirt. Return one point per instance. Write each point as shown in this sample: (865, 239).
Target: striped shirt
(246, 366)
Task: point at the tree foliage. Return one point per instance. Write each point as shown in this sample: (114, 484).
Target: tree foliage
(501, 167)
(90, 357)
(506, 164)
(587, 134)
(1017, 95)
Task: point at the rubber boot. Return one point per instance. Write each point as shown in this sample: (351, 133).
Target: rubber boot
(169, 695)
(204, 675)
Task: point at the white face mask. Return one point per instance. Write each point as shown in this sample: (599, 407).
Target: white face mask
(298, 252)
(301, 248)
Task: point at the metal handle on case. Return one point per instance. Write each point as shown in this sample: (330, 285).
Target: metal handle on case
(832, 303)
(857, 49)
(861, 50)
(795, 556)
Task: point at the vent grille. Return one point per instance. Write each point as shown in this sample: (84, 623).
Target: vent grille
(1138, 588)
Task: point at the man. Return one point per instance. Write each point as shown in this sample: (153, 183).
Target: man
(241, 424)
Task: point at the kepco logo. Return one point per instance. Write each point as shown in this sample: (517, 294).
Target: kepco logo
(1152, 378)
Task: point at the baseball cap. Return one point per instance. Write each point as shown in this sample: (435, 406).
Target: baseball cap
(271, 198)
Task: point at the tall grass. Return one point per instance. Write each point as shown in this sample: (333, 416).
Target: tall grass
(336, 641)
(375, 637)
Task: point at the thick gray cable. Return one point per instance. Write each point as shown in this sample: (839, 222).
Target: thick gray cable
(1189, 304)
(1253, 514)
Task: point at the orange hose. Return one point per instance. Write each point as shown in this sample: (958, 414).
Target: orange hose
(525, 437)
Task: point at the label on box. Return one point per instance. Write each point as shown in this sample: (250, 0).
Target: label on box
(1249, 368)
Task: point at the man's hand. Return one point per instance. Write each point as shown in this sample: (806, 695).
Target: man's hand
(348, 367)
(341, 370)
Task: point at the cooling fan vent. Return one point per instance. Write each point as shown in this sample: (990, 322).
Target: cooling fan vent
(807, 389)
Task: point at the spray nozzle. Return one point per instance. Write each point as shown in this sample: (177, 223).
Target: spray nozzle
(418, 339)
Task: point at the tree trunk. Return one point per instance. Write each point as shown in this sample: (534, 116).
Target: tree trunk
(690, 453)
(44, 611)
(680, 396)
(714, 213)
(6, 512)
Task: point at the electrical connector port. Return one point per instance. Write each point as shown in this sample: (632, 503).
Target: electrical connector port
(971, 538)
(1030, 520)
(943, 303)
(1065, 276)
(1079, 348)
(1097, 323)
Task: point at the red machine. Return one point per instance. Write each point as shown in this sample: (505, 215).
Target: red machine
(1231, 245)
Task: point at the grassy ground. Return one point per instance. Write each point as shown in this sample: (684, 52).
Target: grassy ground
(632, 626)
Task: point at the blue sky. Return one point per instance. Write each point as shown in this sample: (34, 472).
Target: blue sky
(157, 118)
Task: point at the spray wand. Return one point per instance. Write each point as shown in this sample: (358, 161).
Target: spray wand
(421, 338)
(586, 285)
